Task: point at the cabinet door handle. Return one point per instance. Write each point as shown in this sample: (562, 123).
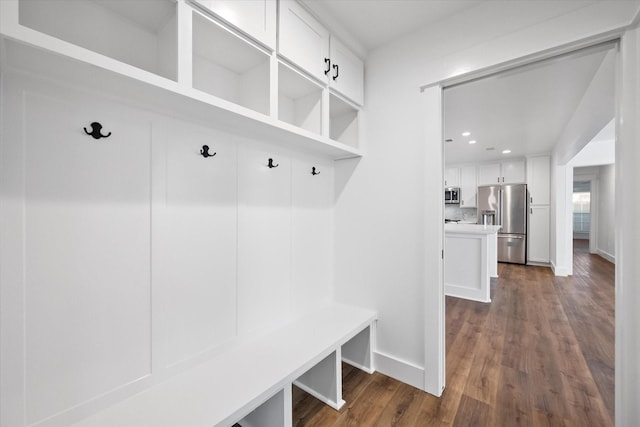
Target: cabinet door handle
(531, 198)
(335, 67)
(531, 211)
(328, 62)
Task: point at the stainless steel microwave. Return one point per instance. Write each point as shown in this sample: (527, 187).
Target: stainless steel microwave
(452, 195)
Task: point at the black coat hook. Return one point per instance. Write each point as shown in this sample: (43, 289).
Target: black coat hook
(205, 152)
(313, 171)
(96, 131)
(271, 165)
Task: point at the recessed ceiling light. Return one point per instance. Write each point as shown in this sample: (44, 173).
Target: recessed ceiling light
(473, 141)
(506, 151)
(466, 133)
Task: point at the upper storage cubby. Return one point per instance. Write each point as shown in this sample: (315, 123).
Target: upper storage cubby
(343, 121)
(255, 18)
(229, 67)
(139, 33)
(299, 100)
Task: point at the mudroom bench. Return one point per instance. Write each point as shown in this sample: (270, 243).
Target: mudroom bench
(250, 382)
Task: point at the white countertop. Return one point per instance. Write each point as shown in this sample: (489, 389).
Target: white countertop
(471, 228)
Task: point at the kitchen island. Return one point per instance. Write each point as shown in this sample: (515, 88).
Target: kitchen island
(471, 259)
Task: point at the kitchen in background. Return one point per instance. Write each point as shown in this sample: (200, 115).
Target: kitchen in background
(455, 213)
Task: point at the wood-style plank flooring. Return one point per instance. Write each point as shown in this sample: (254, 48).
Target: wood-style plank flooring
(541, 354)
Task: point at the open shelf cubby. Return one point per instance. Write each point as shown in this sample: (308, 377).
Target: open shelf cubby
(142, 34)
(229, 67)
(270, 414)
(299, 100)
(343, 121)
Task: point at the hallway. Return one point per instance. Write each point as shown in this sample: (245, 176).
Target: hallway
(542, 353)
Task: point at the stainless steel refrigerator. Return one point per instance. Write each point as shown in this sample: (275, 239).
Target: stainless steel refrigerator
(506, 205)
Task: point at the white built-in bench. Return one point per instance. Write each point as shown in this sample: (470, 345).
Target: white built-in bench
(250, 382)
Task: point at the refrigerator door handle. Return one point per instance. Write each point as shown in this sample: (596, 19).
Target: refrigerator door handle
(501, 204)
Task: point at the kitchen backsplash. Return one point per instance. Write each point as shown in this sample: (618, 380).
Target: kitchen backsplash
(455, 212)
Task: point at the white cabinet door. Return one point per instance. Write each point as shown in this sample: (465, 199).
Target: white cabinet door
(196, 241)
(257, 18)
(312, 239)
(489, 174)
(452, 177)
(468, 187)
(303, 40)
(347, 72)
(538, 234)
(538, 179)
(264, 238)
(513, 172)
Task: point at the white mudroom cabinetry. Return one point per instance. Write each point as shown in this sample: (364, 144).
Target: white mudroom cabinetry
(308, 44)
(256, 18)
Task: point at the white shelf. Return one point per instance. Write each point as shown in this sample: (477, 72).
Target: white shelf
(343, 121)
(142, 34)
(299, 100)
(226, 66)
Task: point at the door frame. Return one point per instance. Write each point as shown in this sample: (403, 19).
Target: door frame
(626, 353)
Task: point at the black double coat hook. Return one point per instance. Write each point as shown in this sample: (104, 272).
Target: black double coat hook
(96, 131)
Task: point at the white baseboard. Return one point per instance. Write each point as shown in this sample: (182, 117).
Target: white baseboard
(606, 255)
(400, 370)
(559, 271)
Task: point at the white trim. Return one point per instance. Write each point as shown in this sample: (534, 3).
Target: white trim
(320, 397)
(401, 370)
(606, 255)
(367, 369)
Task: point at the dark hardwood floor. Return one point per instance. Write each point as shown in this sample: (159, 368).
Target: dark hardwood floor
(541, 354)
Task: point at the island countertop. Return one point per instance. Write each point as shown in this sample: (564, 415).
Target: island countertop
(471, 228)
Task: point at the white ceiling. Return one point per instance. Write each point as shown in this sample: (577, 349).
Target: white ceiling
(523, 110)
(376, 22)
(601, 150)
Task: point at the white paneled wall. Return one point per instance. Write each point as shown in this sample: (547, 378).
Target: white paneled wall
(139, 256)
(86, 224)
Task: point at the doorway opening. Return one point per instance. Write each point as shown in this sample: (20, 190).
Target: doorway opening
(581, 210)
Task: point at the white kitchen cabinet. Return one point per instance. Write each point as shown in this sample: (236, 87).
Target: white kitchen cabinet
(264, 238)
(468, 187)
(506, 172)
(308, 44)
(451, 177)
(256, 18)
(538, 179)
(489, 174)
(513, 172)
(538, 236)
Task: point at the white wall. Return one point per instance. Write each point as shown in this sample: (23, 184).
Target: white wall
(128, 259)
(391, 199)
(605, 240)
(627, 232)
